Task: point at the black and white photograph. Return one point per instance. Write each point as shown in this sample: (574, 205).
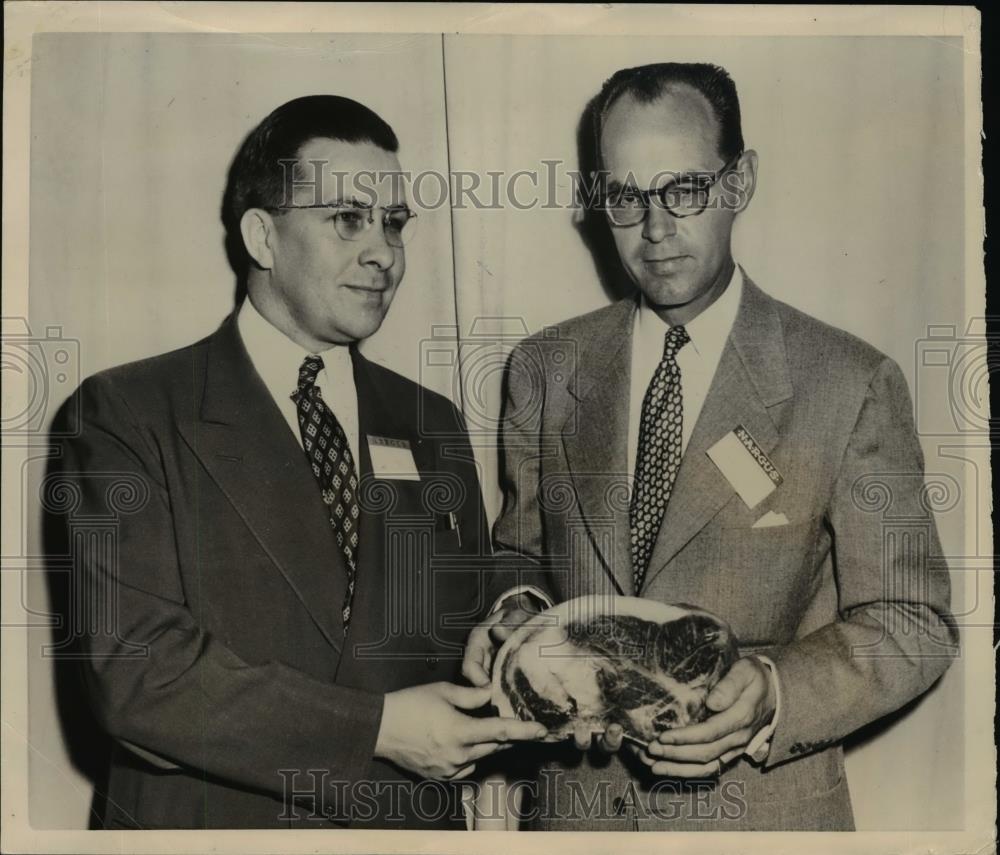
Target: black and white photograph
(427, 424)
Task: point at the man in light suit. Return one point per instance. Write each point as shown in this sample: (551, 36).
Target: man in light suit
(704, 443)
(282, 643)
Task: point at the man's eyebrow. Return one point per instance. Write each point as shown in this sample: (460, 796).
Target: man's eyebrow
(350, 202)
(690, 175)
(665, 178)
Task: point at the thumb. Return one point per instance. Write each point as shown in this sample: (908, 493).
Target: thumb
(468, 697)
(726, 691)
(501, 632)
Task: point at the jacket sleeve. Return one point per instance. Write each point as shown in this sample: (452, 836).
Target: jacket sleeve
(894, 635)
(518, 536)
(158, 682)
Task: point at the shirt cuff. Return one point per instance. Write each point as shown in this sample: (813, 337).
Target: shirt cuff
(538, 593)
(760, 745)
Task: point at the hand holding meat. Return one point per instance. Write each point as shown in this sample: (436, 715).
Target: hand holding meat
(594, 665)
(490, 634)
(424, 730)
(742, 702)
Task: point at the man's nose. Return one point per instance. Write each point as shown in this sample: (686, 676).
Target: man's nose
(659, 223)
(376, 251)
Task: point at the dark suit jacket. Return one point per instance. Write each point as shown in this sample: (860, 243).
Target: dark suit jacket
(214, 651)
(846, 598)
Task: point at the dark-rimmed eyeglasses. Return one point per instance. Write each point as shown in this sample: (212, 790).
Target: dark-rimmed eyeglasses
(351, 221)
(686, 196)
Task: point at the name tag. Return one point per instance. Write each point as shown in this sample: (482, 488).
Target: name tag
(392, 458)
(745, 465)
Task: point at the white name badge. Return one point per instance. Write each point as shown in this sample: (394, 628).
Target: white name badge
(392, 458)
(745, 465)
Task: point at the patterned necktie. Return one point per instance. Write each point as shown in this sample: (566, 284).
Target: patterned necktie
(332, 463)
(659, 453)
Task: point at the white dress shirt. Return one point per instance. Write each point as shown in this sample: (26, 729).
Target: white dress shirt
(697, 360)
(277, 359)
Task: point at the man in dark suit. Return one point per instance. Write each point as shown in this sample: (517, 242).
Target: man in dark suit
(721, 449)
(290, 579)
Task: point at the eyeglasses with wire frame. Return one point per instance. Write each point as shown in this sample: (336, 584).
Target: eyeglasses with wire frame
(352, 220)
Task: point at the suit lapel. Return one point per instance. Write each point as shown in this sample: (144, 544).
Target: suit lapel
(752, 378)
(383, 412)
(245, 444)
(596, 441)
(392, 593)
(378, 415)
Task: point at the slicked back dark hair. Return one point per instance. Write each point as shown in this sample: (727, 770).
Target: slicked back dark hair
(647, 83)
(256, 177)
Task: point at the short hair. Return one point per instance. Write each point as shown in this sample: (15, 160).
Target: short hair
(647, 83)
(256, 177)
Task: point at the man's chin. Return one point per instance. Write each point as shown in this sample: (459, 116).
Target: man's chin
(666, 292)
(360, 328)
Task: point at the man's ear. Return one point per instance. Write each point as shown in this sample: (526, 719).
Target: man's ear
(257, 228)
(741, 181)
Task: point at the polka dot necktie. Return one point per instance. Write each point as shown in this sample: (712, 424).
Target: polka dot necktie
(329, 454)
(659, 453)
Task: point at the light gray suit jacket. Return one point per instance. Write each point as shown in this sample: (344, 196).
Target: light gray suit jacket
(847, 598)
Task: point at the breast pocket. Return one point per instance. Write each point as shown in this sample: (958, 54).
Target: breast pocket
(765, 576)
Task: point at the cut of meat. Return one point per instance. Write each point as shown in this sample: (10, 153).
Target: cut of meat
(595, 661)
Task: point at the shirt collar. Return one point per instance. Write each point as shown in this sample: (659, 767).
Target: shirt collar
(277, 358)
(709, 330)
